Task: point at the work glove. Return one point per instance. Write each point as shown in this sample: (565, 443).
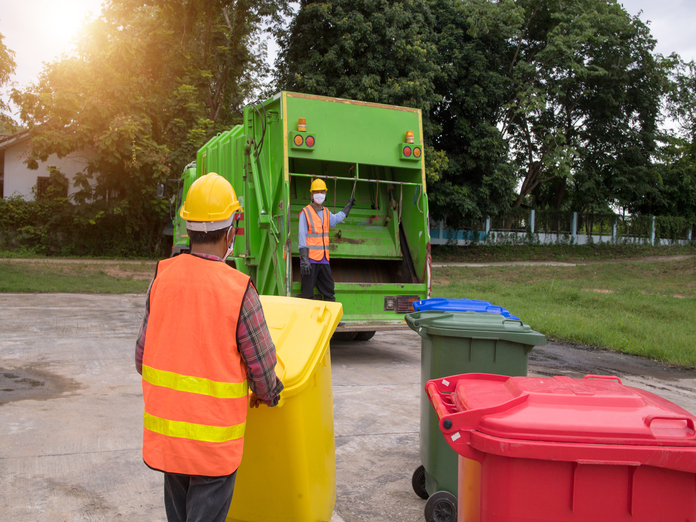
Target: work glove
(305, 267)
(346, 209)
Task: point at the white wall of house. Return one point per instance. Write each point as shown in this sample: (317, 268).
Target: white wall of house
(19, 179)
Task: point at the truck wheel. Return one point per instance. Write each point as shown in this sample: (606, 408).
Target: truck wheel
(418, 483)
(344, 336)
(441, 507)
(364, 336)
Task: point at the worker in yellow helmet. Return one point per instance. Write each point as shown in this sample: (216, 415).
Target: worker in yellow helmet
(313, 239)
(202, 344)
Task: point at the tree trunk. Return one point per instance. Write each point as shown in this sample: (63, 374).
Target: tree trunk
(560, 192)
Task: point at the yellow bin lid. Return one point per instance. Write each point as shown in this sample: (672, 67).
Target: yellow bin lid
(301, 330)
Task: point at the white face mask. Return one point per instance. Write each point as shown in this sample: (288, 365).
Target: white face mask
(233, 230)
(319, 198)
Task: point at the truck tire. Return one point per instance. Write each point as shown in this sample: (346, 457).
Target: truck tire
(365, 336)
(344, 336)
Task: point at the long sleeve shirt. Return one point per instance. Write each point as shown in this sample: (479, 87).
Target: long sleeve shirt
(334, 219)
(253, 341)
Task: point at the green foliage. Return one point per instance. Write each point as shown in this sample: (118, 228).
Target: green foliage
(7, 68)
(587, 94)
(371, 50)
(54, 226)
(149, 83)
(671, 190)
(472, 38)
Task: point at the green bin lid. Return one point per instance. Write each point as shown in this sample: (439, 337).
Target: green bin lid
(474, 325)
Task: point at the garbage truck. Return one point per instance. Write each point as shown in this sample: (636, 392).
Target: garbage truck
(380, 254)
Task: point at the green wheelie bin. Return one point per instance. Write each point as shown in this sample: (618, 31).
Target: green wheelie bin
(454, 343)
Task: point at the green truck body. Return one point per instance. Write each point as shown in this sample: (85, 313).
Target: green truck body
(380, 254)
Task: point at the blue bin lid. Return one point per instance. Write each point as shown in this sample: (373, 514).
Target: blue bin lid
(461, 305)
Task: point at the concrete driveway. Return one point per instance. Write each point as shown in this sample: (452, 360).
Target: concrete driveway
(71, 412)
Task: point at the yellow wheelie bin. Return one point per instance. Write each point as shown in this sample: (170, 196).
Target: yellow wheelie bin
(288, 469)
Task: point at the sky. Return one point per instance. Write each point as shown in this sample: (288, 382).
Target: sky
(39, 31)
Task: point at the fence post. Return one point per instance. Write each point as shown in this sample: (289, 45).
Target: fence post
(652, 231)
(531, 220)
(442, 229)
(574, 229)
(614, 235)
(488, 226)
(689, 236)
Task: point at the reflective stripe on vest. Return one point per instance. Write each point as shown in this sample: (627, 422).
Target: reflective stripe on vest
(194, 379)
(317, 233)
(189, 430)
(187, 383)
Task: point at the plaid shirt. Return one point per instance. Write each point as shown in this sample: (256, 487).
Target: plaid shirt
(253, 341)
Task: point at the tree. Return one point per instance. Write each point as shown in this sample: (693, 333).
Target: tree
(370, 50)
(7, 69)
(586, 100)
(149, 83)
(672, 191)
(472, 38)
(417, 54)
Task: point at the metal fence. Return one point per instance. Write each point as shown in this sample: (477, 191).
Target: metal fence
(527, 226)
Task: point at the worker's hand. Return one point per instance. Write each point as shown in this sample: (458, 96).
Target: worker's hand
(254, 401)
(305, 267)
(346, 209)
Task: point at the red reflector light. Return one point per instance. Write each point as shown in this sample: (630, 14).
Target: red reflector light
(298, 140)
(404, 303)
(310, 141)
(417, 152)
(407, 151)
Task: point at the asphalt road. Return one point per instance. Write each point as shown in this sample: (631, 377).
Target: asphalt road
(71, 412)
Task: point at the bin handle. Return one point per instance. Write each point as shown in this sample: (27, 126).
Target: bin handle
(604, 378)
(438, 404)
(516, 321)
(689, 421)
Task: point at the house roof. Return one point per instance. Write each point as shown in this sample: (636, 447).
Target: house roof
(12, 139)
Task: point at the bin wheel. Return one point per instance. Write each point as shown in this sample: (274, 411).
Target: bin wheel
(343, 336)
(418, 483)
(441, 507)
(365, 336)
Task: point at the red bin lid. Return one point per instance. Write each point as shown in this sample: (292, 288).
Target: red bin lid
(593, 410)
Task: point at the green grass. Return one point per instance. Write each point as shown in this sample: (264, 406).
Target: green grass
(642, 308)
(77, 277)
(645, 309)
(482, 253)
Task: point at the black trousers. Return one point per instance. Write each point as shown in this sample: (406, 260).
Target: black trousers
(321, 277)
(191, 498)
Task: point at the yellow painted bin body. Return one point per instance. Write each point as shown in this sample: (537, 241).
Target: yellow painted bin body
(288, 469)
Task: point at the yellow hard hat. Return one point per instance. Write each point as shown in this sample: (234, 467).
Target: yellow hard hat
(210, 204)
(317, 184)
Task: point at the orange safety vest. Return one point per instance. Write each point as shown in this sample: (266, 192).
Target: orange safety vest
(317, 233)
(194, 378)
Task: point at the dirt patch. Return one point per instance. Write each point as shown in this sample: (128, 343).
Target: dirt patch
(598, 290)
(679, 296)
(576, 360)
(127, 274)
(440, 281)
(33, 382)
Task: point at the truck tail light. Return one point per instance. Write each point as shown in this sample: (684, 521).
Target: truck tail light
(400, 304)
(404, 303)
